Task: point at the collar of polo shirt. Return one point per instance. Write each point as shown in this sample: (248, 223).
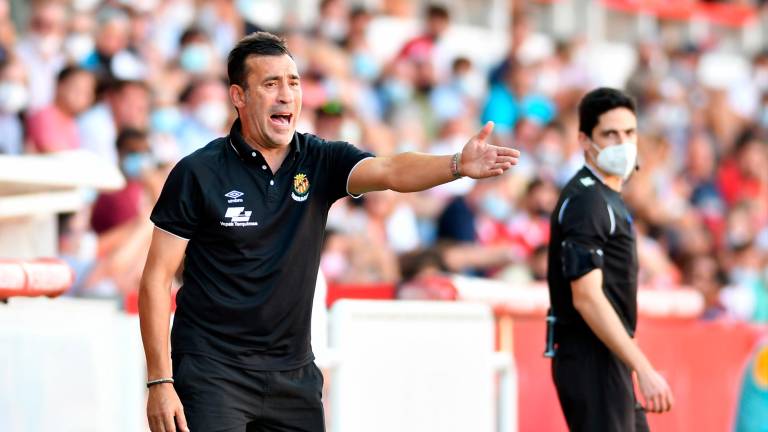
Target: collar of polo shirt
(248, 153)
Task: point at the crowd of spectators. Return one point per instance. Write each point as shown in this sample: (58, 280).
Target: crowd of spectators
(142, 83)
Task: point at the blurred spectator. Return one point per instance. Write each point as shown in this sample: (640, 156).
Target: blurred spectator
(222, 20)
(78, 246)
(365, 65)
(54, 128)
(332, 21)
(391, 222)
(40, 49)
(80, 42)
(421, 49)
(197, 55)
(514, 99)
(529, 228)
(743, 174)
(113, 209)
(532, 270)
(699, 172)
(477, 221)
(703, 274)
(559, 157)
(124, 104)
(110, 60)
(14, 97)
(645, 79)
(747, 294)
(349, 258)
(329, 119)
(7, 31)
(460, 95)
(458, 220)
(206, 114)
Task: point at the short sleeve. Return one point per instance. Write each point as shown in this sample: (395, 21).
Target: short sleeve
(585, 224)
(586, 220)
(178, 209)
(343, 158)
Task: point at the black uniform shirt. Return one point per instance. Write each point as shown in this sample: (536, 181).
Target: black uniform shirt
(255, 239)
(592, 228)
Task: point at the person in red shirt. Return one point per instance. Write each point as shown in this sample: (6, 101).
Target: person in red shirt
(742, 176)
(54, 128)
(113, 209)
(421, 48)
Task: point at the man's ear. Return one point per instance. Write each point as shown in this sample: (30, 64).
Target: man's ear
(237, 96)
(584, 141)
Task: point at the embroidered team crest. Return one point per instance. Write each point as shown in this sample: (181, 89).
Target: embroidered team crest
(300, 190)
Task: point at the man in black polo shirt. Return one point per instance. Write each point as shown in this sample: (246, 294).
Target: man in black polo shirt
(247, 214)
(592, 275)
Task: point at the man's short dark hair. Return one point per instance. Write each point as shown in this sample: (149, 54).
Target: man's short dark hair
(258, 44)
(69, 71)
(129, 134)
(599, 101)
(438, 11)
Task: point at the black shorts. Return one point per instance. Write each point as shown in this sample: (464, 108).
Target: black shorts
(595, 387)
(218, 397)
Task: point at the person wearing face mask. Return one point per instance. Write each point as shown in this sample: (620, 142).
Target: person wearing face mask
(13, 100)
(113, 209)
(111, 42)
(40, 50)
(206, 113)
(592, 276)
(197, 55)
(248, 211)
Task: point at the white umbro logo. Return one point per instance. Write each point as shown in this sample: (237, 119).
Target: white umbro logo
(234, 196)
(587, 181)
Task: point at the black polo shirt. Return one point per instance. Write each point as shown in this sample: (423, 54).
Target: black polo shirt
(255, 239)
(593, 218)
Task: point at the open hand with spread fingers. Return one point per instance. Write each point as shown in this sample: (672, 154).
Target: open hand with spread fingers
(480, 159)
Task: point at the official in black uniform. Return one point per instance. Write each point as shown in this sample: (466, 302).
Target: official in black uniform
(247, 213)
(592, 277)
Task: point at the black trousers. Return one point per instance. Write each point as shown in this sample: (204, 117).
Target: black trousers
(218, 397)
(595, 387)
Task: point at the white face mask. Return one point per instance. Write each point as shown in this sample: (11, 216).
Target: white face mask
(13, 97)
(78, 46)
(212, 115)
(618, 159)
(85, 5)
(47, 45)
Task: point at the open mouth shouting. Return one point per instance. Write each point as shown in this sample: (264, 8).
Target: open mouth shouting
(281, 120)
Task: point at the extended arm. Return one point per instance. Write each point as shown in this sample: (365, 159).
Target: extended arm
(412, 172)
(590, 301)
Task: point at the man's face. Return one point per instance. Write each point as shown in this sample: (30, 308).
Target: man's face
(130, 106)
(271, 102)
(614, 127)
(77, 92)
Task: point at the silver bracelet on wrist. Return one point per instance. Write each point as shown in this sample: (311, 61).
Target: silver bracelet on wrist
(159, 381)
(455, 161)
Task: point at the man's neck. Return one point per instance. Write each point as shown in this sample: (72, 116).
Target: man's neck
(273, 155)
(612, 181)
